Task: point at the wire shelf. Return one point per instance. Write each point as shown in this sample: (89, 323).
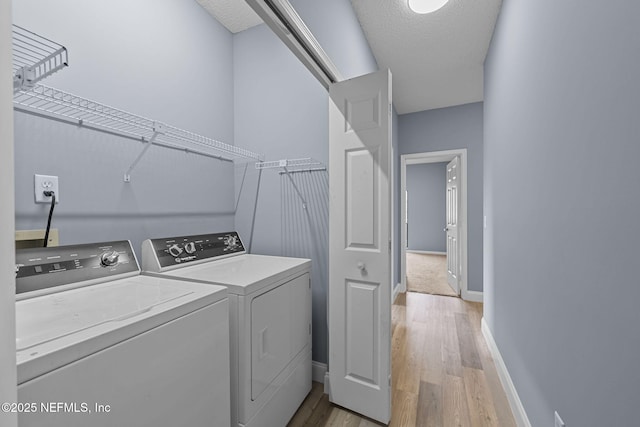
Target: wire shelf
(57, 104)
(34, 58)
(292, 165)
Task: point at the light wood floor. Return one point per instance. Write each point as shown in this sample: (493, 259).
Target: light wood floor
(442, 372)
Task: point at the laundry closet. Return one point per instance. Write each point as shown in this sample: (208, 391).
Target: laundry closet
(159, 122)
(136, 136)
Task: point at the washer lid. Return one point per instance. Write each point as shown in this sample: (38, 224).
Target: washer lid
(56, 329)
(244, 274)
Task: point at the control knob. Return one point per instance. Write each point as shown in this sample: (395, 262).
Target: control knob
(190, 247)
(110, 258)
(175, 250)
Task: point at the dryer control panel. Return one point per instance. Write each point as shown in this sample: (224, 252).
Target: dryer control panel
(158, 254)
(42, 268)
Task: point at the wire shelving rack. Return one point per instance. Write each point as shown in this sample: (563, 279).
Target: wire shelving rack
(34, 58)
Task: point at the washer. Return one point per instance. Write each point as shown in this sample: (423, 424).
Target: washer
(99, 344)
(270, 319)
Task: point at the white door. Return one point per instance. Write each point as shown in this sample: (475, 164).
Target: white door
(359, 245)
(453, 198)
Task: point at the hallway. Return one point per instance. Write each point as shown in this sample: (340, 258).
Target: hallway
(443, 373)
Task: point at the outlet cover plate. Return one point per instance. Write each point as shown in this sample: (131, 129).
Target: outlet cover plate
(42, 183)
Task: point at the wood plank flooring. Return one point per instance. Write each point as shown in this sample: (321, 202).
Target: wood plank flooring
(442, 372)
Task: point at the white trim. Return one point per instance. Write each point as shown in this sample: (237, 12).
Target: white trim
(473, 296)
(318, 371)
(512, 395)
(396, 292)
(413, 251)
(436, 157)
(8, 388)
(327, 384)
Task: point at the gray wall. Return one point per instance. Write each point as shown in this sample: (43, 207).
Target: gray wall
(448, 129)
(167, 60)
(7, 248)
(282, 110)
(426, 207)
(562, 202)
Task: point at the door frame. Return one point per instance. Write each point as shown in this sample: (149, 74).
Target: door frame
(436, 157)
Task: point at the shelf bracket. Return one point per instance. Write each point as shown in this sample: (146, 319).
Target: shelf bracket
(157, 130)
(295, 187)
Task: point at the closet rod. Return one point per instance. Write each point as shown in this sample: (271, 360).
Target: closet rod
(304, 170)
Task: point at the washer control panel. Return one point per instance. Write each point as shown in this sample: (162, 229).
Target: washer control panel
(185, 249)
(41, 268)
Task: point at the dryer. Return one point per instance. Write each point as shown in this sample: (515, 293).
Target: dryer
(270, 319)
(99, 344)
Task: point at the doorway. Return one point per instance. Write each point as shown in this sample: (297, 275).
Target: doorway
(426, 201)
(460, 249)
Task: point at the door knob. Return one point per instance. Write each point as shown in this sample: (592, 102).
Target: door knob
(361, 266)
(446, 229)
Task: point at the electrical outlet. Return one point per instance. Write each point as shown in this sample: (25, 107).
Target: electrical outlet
(559, 422)
(42, 183)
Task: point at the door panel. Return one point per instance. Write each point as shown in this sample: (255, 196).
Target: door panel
(453, 200)
(362, 346)
(359, 245)
(361, 187)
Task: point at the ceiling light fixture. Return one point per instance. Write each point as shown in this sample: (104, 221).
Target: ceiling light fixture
(426, 6)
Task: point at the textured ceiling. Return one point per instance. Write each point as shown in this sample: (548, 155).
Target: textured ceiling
(436, 59)
(235, 15)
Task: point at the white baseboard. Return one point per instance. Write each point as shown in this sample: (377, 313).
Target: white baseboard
(327, 384)
(396, 291)
(473, 296)
(318, 370)
(512, 395)
(412, 251)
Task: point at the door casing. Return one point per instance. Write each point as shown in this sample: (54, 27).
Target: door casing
(437, 157)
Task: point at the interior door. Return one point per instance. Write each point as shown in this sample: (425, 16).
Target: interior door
(359, 245)
(453, 201)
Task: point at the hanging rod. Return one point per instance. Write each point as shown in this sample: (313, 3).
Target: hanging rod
(34, 58)
(57, 104)
(292, 165)
(322, 169)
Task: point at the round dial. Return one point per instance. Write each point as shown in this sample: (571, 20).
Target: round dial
(175, 250)
(190, 247)
(109, 258)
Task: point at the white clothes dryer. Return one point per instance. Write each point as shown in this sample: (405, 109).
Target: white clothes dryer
(270, 319)
(99, 344)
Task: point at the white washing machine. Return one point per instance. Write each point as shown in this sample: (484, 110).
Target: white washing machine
(98, 344)
(270, 319)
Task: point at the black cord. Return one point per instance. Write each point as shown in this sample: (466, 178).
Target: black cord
(53, 205)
